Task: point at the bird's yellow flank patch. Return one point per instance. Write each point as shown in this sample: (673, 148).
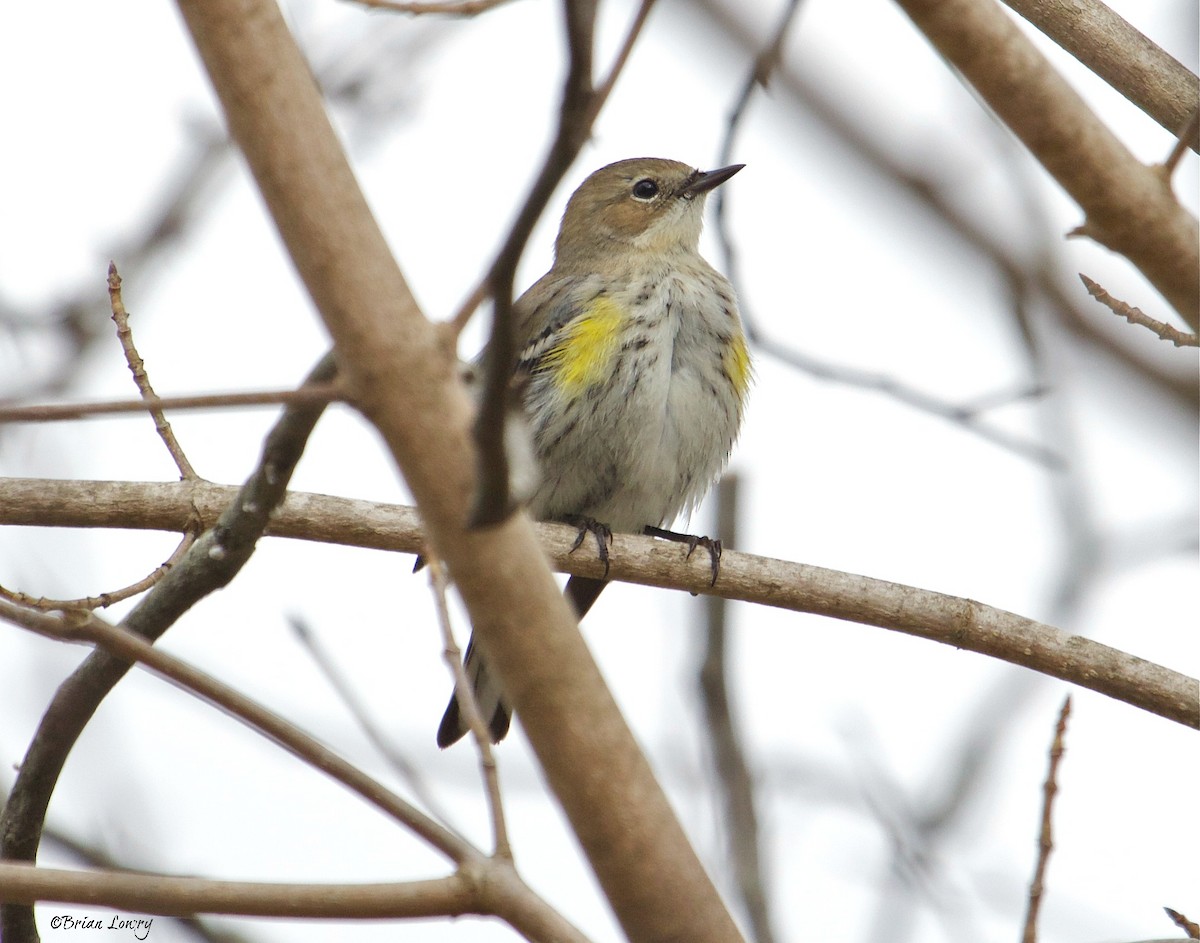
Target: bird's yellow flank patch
(736, 362)
(584, 353)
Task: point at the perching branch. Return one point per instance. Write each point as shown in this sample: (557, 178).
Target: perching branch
(951, 620)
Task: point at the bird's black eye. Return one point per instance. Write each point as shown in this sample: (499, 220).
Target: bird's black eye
(645, 189)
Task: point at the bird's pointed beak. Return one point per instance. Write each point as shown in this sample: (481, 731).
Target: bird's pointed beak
(704, 180)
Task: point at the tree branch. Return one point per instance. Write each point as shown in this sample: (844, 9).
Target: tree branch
(1129, 207)
(951, 620)
(1046, 832)
(184, 896)
(1129, 61)
(123, 644)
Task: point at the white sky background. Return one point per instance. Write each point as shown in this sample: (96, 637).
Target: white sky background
(847, 727)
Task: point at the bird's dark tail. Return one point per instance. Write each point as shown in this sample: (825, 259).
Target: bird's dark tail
(582, 592)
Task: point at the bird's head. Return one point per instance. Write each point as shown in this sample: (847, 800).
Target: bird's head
(645, 203)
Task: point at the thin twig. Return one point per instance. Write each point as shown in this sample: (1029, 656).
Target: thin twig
(1046, 836)
(483, 290)
(1137, 316)
(138, 368)
(604, 89)
(318, 393)
(469, 708)
(1190, 927)
(401, 764)
(104, 600)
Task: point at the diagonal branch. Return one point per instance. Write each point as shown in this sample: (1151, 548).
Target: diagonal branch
(1128, 206)
(210, 563)
(1129, 61)
(401, 372)
(130, 648)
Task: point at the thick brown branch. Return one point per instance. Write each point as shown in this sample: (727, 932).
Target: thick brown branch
(401, 371)
(182, 896)
(1129, 207)
(499, 892)
(1129, 61)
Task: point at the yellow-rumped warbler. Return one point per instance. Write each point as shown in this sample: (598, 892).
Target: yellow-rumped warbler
(635, 365)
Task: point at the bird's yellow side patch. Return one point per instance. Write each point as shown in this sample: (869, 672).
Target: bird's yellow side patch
(736, 362)
(583, 355)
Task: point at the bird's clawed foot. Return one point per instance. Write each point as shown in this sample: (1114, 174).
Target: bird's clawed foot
(711, 544)
(601, 533)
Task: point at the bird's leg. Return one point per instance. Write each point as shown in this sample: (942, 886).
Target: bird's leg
(711, 544)
(600, 532)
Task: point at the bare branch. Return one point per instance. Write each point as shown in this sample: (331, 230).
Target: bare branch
(463, 690)
(1046, 835)
(581, 103)
(500, 892)
(317, 394)
(1185, 139)
(105, 599)
(1129, 61)
(183, 896)
(138, 368)
(1128, 207)
(1137, 316)
(951, 620)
